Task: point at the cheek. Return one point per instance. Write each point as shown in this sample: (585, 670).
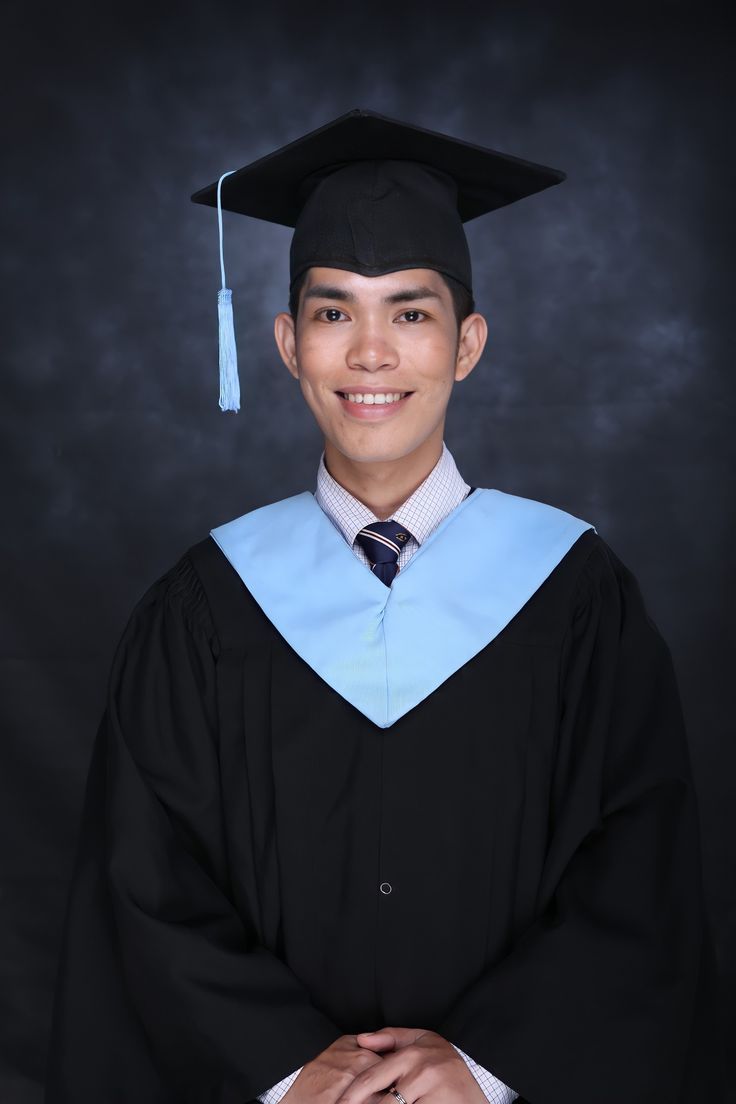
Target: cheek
(317, 360)
(433, 347)
(313, 385)
(314, 338)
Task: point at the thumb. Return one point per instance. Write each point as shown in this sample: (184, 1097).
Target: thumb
(379, 1039)
(399, 1036)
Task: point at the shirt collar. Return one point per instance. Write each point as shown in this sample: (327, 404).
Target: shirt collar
(439, 494)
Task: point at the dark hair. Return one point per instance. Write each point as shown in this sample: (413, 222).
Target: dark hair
(462, 300)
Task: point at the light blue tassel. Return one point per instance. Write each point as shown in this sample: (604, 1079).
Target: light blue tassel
(229, 382)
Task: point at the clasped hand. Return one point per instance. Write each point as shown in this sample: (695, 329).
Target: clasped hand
(360, 1069)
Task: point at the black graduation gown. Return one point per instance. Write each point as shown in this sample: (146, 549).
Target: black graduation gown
(534, 816)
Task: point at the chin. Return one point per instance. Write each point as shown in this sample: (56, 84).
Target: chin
(374, 452)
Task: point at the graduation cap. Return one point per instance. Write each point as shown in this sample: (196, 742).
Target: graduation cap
(371, 195)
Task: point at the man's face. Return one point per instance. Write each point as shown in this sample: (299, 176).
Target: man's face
(377, 335)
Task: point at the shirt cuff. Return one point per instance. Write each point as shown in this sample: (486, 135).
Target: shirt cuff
(493, 1089)
(274, 1094)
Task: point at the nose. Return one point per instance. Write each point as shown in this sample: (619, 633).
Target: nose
(371, 349)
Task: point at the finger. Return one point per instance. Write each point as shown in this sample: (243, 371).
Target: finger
(377, 1079)
(381, 1040)
(402, 1036)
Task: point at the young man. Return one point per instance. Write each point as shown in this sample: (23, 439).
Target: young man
(402, 756)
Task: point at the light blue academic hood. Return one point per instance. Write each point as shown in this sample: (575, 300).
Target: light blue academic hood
(457, 592)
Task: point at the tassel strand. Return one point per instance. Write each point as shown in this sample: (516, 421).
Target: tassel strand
(229, 382)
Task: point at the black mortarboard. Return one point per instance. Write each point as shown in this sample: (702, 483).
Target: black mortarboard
(372, 195)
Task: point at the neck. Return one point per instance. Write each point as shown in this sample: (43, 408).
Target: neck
(384, 485)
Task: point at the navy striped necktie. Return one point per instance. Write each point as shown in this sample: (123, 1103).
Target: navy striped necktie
(382, 541)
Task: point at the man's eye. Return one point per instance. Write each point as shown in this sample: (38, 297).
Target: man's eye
(329, 311)
(419, 315)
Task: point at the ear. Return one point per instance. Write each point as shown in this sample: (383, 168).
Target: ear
(284, 331)
(471, 343)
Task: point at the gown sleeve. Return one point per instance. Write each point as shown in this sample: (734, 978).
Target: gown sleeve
(608, 995)
(163, 994)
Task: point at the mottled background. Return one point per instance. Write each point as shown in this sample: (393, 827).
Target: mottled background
(605, 387)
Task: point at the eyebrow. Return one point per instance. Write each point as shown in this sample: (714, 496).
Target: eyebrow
(406, 295)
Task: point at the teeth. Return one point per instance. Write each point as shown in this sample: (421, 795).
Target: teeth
(371, 399)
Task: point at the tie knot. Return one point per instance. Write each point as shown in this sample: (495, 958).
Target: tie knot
(382, 542)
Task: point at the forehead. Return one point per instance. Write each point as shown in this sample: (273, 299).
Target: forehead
(376, 286)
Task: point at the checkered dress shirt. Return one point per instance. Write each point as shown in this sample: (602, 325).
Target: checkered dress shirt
(439, 494)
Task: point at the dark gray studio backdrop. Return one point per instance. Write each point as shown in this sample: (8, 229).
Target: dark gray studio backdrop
(604, 388)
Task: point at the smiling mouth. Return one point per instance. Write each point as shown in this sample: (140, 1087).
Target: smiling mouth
(374, 398)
